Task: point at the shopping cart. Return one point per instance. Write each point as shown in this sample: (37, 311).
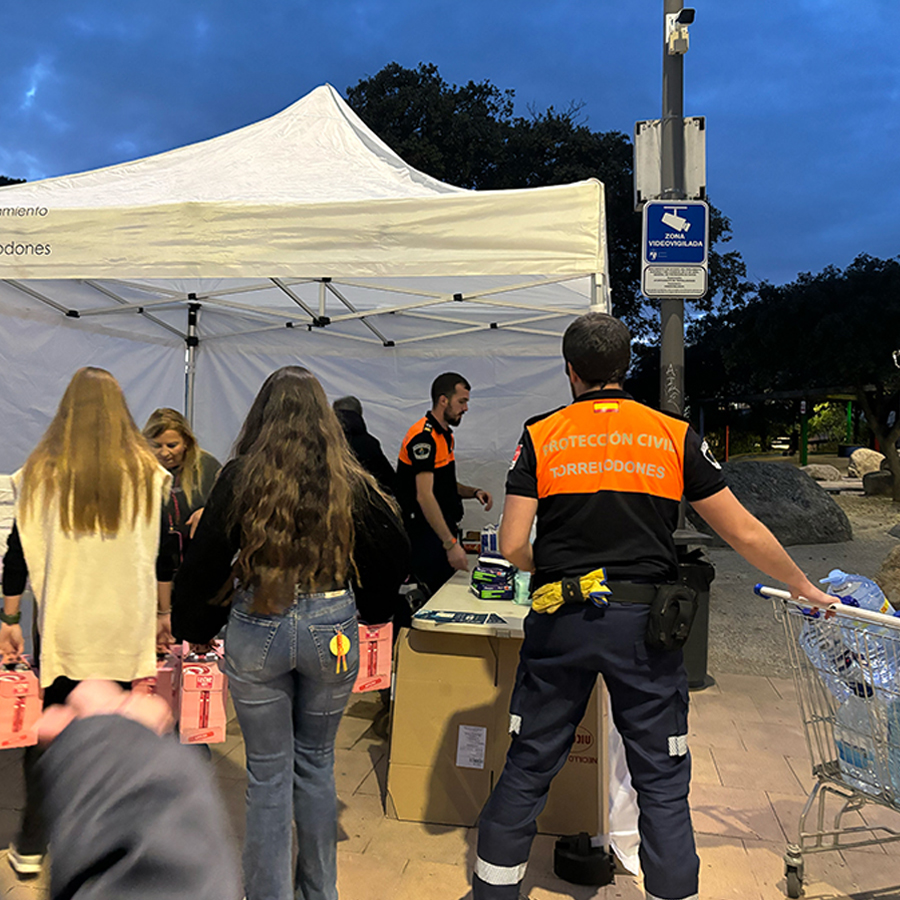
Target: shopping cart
(846, 669)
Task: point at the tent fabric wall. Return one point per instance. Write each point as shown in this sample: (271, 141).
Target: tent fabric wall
(394, 389)
(39, 353)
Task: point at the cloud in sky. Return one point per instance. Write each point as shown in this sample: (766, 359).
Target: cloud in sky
(801, 96)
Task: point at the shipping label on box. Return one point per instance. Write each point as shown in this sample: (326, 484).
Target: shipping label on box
(471, 746)
(20, 705)
(374, 658)
(202, 717)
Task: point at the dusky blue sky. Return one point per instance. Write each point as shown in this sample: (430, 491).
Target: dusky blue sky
(802, 97)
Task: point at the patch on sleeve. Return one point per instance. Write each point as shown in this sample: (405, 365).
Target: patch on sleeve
(422, 451)
(515, 458)
(708, 455)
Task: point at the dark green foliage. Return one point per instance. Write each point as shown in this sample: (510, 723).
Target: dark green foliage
(836, 329)
(4, 181)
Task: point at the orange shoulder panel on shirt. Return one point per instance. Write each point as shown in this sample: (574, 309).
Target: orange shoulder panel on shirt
(609, 444)
(443, 453)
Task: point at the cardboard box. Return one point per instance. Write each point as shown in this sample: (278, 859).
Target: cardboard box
(204, 686)
(20, 705)
(374, 658)
(450, 734)
(167, 681)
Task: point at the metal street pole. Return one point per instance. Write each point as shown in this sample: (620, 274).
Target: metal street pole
(671, 354)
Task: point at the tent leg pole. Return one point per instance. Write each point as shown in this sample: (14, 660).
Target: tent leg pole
(192, 341)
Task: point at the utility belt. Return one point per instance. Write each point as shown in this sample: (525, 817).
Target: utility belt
(672, 606)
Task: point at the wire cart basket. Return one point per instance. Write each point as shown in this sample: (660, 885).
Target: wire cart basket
(846, 667)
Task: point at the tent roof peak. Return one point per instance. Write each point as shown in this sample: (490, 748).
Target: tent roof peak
(315, 149)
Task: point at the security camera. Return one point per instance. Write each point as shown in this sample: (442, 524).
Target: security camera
(677, 36)
(673, 220)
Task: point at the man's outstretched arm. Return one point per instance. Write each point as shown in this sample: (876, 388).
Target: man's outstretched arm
(746, 534)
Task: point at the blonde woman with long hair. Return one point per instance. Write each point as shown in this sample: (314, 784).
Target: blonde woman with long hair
(284, 523)
(192, 468)
(87, 531)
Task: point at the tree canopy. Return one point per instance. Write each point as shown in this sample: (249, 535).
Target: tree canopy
(834, 329)
(470, 136)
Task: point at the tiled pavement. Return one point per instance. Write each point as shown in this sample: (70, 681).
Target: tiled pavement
(751, 775)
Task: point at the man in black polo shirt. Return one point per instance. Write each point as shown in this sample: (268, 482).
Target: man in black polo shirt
(427, 489)
(605, 476)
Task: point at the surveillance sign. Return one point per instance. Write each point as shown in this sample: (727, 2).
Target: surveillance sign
(676, 245)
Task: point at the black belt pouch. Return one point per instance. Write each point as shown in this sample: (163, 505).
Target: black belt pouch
(672, 613)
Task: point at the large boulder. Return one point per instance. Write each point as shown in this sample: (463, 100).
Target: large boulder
(788, 501)
(888, 577)
(820, 472)
(863, 461)
(878, 484)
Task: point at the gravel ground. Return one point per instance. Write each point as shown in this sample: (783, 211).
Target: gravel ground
(744, 636)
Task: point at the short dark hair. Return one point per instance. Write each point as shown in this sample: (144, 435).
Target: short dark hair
(445, 386)
(598, 347)
(349, 403)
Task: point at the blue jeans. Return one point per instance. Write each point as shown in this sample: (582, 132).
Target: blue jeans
(289, 692)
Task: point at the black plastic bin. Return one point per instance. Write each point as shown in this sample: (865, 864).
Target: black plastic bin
(697, 572)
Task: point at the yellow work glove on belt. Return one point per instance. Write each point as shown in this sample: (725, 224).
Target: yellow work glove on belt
(549, 597)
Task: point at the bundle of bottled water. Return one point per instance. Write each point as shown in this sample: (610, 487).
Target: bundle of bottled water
(860, 665)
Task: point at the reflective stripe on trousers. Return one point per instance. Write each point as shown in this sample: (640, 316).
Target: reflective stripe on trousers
(491, 874)
(653, 897)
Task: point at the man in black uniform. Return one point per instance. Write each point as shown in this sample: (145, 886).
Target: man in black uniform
(605, 476)
(427, 489)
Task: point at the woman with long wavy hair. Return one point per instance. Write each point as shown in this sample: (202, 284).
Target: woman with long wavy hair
(87, 529)
(279, 527)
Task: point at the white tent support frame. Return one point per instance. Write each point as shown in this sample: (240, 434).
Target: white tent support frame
(318, 319)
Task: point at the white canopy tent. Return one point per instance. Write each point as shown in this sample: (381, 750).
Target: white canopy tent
(301, 238)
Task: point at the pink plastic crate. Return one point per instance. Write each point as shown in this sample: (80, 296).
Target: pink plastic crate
(204, 688)
(167, 681)
(20, 704)
(374, 658)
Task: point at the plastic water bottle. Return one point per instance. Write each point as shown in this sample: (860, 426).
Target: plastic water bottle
(870, 644)
(893, 736)
(863, 590)
(855, 722)
(838, 666)
(856, 652)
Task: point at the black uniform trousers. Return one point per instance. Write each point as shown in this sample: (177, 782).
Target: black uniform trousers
(561, 656)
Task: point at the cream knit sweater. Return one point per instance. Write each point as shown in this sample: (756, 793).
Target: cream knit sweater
(95, 593)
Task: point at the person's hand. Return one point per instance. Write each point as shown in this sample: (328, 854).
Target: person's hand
(164, 637)
(104, 698)
(812, 596)
(484, 498)
(194, 520)
(12, 644)
(456, 556)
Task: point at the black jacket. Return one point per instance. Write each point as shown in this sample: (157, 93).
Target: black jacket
(367, 449)
(132, 815)
(381, 555)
